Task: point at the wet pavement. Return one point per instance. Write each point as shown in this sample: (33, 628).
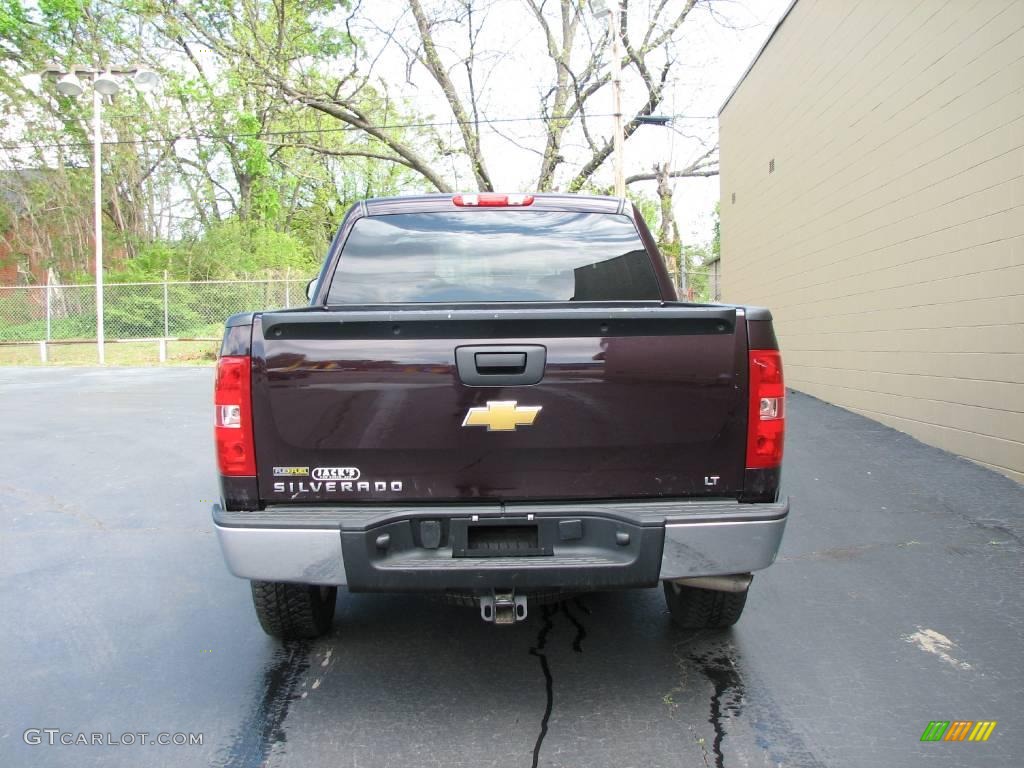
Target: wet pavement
(896, 600)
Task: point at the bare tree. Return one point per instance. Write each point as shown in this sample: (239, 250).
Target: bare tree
(443, 40)
(429, 58)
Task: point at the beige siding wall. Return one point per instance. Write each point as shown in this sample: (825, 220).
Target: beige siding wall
(889, 239)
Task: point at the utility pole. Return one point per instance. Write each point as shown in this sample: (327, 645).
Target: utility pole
(602, 10)
(620, 174)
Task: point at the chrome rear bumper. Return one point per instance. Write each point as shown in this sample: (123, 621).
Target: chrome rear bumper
(664, 540)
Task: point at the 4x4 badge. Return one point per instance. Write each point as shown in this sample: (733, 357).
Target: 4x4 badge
(501, 416)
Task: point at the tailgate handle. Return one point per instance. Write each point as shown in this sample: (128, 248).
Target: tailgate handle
(501, 365)
(495, 363)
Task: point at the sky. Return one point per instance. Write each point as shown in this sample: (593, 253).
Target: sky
(715, 48)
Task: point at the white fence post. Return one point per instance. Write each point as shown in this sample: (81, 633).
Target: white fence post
(48, 313)
(163, 350)
(288, 289)
(42, 351)
(166, 324)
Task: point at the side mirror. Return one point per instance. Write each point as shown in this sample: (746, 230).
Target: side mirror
(310, 288)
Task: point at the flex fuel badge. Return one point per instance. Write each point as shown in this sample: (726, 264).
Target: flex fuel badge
(291, 471)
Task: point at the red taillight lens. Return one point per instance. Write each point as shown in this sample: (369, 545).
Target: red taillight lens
(491, 200)
(766, 422)
(233, 417)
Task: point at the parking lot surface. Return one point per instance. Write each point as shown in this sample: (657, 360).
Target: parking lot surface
(895, 601)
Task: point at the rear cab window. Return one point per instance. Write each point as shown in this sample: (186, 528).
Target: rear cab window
(493, 256)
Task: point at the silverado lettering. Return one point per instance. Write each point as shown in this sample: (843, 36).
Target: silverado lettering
(332, 486)
(561, 421)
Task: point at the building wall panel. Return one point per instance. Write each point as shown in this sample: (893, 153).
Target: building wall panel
(889, 238)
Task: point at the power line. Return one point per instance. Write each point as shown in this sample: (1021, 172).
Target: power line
(312, 131)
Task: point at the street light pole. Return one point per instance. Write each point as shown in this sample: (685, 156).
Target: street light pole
(104, 83)
(97, 203)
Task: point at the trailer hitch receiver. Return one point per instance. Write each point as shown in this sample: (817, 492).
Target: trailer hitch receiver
(503, 607)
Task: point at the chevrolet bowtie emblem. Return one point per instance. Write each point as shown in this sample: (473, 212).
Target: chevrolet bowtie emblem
(501, 416)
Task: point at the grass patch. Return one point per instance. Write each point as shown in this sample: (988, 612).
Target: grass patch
(133, 353)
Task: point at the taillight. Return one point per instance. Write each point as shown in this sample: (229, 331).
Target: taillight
(766, 422)
(233, 417)
(491, 200)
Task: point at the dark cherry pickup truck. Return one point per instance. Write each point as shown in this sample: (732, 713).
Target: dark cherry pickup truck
(498, 398)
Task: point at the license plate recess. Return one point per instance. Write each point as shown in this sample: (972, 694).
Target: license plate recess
(500, 537)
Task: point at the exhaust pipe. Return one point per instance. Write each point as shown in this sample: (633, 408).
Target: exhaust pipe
(737, 582)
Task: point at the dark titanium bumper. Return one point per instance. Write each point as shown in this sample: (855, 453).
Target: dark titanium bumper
(591, 545)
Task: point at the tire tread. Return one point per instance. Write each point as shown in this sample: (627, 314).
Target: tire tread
(293, 611)
(695, 608)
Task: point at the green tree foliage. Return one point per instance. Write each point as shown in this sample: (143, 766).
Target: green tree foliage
(716, 241)
(228, 250)
(217, 174)
(692, 259)
(272, 117)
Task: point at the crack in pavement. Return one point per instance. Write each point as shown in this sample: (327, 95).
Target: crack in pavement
(578, 602)
(735, 695)
(46, 502)
(263, 727)
(728, 686)
(683, 666)
(548, 612)
(542, 637)
(581, 633)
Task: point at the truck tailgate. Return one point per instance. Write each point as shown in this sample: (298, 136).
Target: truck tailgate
(378, 405)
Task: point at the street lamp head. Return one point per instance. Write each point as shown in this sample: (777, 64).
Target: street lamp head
(654, 119)
(600, 8)
(69, 85)
(106, 85)
(146, 80)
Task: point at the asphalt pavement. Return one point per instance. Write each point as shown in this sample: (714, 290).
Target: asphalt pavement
(895, 601)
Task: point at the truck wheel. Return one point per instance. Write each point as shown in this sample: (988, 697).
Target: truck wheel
(695, 608)
(294, 611)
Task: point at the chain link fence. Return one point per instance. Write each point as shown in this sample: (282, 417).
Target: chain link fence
(161, 312)
(701, 286)
(186, 318)
(137, 310)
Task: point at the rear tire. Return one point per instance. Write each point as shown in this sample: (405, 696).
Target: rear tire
(294, 611)
(695, 608)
